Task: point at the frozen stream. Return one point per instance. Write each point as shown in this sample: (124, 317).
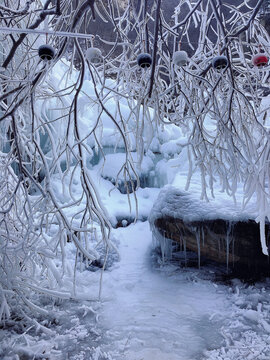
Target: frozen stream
(147, 314)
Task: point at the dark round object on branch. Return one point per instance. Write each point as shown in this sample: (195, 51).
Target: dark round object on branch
(144, 60)
(46, 52)
(220, 62)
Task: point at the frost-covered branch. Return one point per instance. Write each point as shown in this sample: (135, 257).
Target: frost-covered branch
(54, 115)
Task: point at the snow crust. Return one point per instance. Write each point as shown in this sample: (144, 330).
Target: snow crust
(112, 165)
(149, 311)
(186, 205)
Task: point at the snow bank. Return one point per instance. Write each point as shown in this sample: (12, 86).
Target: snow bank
(176, 203)
(117, 205)
(112, 167)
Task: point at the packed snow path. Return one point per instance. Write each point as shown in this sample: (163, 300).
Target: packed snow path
(151, 315)
(149, 312)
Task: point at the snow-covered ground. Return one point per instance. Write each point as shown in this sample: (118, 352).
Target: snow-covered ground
(150, 312)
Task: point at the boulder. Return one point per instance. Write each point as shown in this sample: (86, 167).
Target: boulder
(179, 219)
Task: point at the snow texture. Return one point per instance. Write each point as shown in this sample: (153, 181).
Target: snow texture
(111, 168)
(149, 311)
(186, 205)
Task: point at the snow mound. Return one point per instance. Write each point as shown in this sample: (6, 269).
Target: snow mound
(177, 203)
(113, 166)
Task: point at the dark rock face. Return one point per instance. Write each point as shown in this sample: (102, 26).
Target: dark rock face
(235, 244)
(107, 31)
(129, 186)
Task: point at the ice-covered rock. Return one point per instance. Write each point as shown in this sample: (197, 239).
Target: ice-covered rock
(215, 230)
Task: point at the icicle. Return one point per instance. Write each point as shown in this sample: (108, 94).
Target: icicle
(229, 240)
(262, 235)
(228, 233)
(203, 237)
(233, 250)
(165, 245)
(154, 239)
(185, 251)
(198, 238)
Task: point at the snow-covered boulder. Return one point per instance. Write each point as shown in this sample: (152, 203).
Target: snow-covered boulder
(215, 230)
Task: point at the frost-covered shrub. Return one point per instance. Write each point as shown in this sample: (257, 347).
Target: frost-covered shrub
(55, 115)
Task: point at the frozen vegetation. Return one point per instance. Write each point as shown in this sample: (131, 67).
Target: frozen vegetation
(93, 152)
(147, 308)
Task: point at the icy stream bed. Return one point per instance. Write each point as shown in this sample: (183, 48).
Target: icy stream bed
(149, 311)
(147, 314)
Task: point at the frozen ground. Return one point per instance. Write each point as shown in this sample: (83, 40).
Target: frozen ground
(151, 312)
